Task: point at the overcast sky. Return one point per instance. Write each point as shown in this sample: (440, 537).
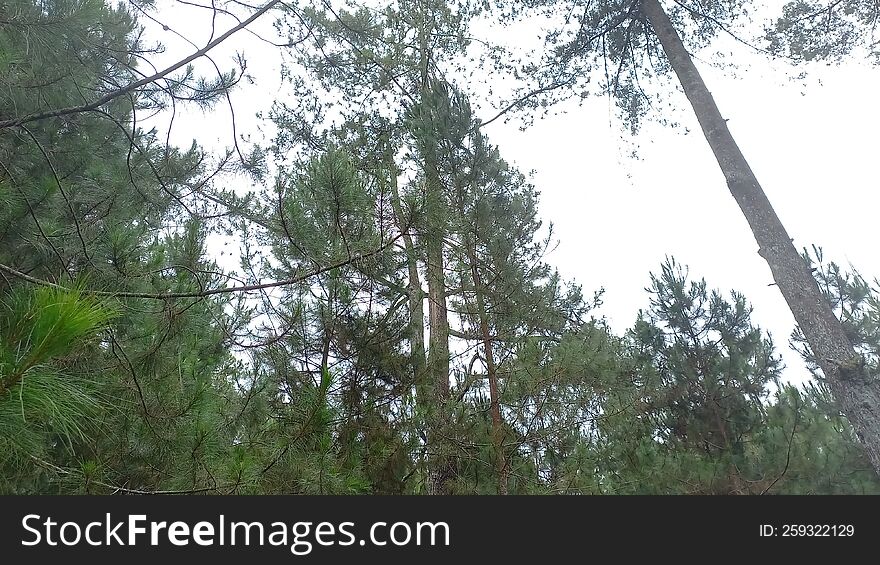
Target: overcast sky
(815, 154)
(813, 145)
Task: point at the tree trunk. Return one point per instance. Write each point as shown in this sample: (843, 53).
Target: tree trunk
(858, 396)
(426, 397)
(438, 322)
(492, 375)
(414, 290)
(438, 345)
(438, 339)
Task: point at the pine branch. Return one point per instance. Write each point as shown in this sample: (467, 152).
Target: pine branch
(209, 292)
(116, 489)
(112, 95)
(797, 416)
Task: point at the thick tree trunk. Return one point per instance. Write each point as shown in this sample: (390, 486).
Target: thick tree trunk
(501, 470)
(858, 396)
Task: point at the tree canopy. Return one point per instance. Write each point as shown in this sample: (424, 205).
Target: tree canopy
(390, 322)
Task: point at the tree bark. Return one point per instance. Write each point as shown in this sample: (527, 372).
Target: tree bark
(501, 470)
(438, 338)
(414, 289)
(426, 393)
(438, 322)
(438, 344)
(857, 395)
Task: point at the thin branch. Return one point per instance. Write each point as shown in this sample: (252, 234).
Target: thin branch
(797, 416)
(63, 471)
(95, 104)
(522, 99)
(62, 191)
(209, 292)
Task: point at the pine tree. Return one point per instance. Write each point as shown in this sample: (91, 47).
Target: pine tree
(88, 201)
(816, 31)
(332, 359)
(361, 56)
(628, 38)
(707, 412)
(130, 362)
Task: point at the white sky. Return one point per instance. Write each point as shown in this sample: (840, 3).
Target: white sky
(815, 154)
(813, 147)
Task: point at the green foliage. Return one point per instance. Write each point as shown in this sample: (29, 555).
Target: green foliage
(830, 31)
(702, 415)
(61, 47)
(41, 325)
(807, 447)
(608, 49)
(856, 303)
(319, 383)
(45, 402)
(94, 199)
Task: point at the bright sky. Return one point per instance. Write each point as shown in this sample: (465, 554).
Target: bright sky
(813, 147)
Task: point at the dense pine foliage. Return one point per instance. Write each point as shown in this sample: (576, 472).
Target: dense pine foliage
(394, 325)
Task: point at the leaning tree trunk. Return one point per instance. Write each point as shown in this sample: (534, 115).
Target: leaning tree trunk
(857, 395)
